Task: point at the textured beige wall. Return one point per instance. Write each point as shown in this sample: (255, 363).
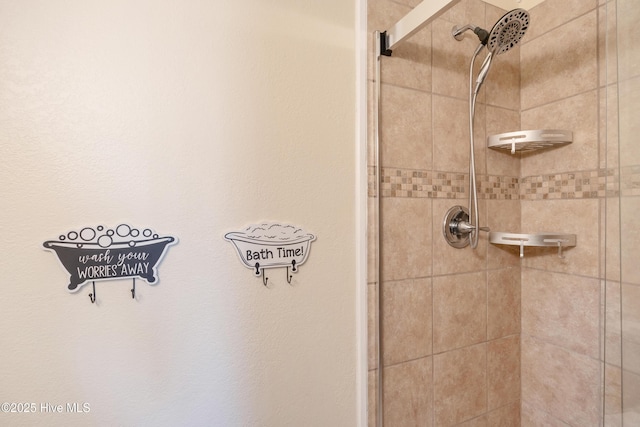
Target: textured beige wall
(194, 118)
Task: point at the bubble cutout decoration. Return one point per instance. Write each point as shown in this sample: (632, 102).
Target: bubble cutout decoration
(106, 237)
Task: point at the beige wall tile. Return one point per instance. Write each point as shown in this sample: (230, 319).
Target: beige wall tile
(551, 70)
(410, 63)
(459, 311)
(628, 46)
(607, 44)
(562, 383)
(630, 313)
(609, 155)
(532, 417)
(562, 309)
(631, 399)
(460, 391)
(406, 320)
(450, 134)
(629, 99)
(405, 134)
(551, 14)
(631, 322)
(610, 238)
(612, 396)
(612, 324)
(480, 139)
(481, 421)
(406, 238)
(559, 216)
(507, 416)
(408, 394)
(578, 114)
(630, 239)
(503, 295)
(466, 12)
(503, 371)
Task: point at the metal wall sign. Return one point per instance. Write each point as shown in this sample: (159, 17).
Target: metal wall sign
(271, 245)
(100, 253)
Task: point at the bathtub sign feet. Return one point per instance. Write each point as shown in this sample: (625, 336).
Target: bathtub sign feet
(271, 245)
(95, 254)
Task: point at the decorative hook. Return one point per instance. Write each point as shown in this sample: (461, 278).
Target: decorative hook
(293, 268)
(265, 279)
(133, 290)
(92, 296)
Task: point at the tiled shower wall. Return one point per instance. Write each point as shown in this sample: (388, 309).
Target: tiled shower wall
(567, 83)
(450, 318)
(481, 336)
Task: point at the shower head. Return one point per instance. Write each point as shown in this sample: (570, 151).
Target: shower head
(504, 35)
(508, 31)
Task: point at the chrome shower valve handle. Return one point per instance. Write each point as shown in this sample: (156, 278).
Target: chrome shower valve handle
(456, 227)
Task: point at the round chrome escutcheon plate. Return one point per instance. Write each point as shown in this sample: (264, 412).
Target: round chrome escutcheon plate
(452, 218)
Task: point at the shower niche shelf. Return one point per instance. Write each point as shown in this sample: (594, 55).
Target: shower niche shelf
(556, 240)
(529, 140)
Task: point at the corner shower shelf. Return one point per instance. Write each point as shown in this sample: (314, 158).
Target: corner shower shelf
(556, 240)
(529, 140)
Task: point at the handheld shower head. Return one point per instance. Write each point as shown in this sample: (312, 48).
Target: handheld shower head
(508, 31)
(504, 35)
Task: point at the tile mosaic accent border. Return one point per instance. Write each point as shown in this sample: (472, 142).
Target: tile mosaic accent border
(430, 184)
(453, 185)
(571, 185)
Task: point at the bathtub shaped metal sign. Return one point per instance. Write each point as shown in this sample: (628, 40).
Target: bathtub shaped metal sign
(271, 245)
(95, 254)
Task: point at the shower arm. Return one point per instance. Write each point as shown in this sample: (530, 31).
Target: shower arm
(458, 33)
